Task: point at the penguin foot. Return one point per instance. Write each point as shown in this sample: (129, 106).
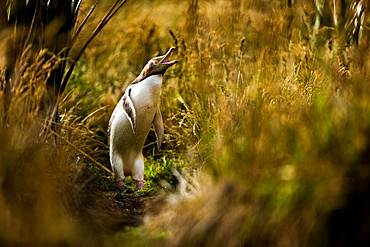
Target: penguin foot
(139, 185)
(121, 184)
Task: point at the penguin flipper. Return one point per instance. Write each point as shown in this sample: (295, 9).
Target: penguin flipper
(158, 127)
(130, 111)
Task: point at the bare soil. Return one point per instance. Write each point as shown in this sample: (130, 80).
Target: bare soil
(130, 203)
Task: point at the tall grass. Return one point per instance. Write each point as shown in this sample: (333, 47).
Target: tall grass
(278, 122)
(269, 112)
(46, 197)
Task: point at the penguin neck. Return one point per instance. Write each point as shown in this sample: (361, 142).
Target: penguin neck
(148, 87)
(145, 73)
(153, 81)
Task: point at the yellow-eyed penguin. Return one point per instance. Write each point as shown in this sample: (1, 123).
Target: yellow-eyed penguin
(132, 118)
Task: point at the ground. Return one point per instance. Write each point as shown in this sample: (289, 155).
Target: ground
(131, 203)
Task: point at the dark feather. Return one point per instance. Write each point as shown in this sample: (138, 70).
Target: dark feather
(129, 109)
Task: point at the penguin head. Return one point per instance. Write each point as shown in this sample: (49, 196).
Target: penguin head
(157, 65)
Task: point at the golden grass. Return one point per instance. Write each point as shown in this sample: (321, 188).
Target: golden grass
(276, 126)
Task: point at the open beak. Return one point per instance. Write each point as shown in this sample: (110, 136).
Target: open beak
(166, 58)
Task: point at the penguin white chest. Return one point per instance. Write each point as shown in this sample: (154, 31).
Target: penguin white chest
(145, 94)
(130, 130)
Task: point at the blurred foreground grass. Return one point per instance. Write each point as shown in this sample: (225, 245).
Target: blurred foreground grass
(272, 120)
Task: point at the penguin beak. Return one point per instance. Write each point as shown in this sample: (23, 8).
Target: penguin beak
(159, 65)
(166, 57)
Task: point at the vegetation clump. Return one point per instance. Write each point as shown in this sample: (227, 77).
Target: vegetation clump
(267, 131)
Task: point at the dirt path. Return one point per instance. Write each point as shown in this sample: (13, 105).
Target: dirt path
(129, 203)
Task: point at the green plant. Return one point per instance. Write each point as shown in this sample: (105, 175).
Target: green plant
(161, 171)
(261, 111)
